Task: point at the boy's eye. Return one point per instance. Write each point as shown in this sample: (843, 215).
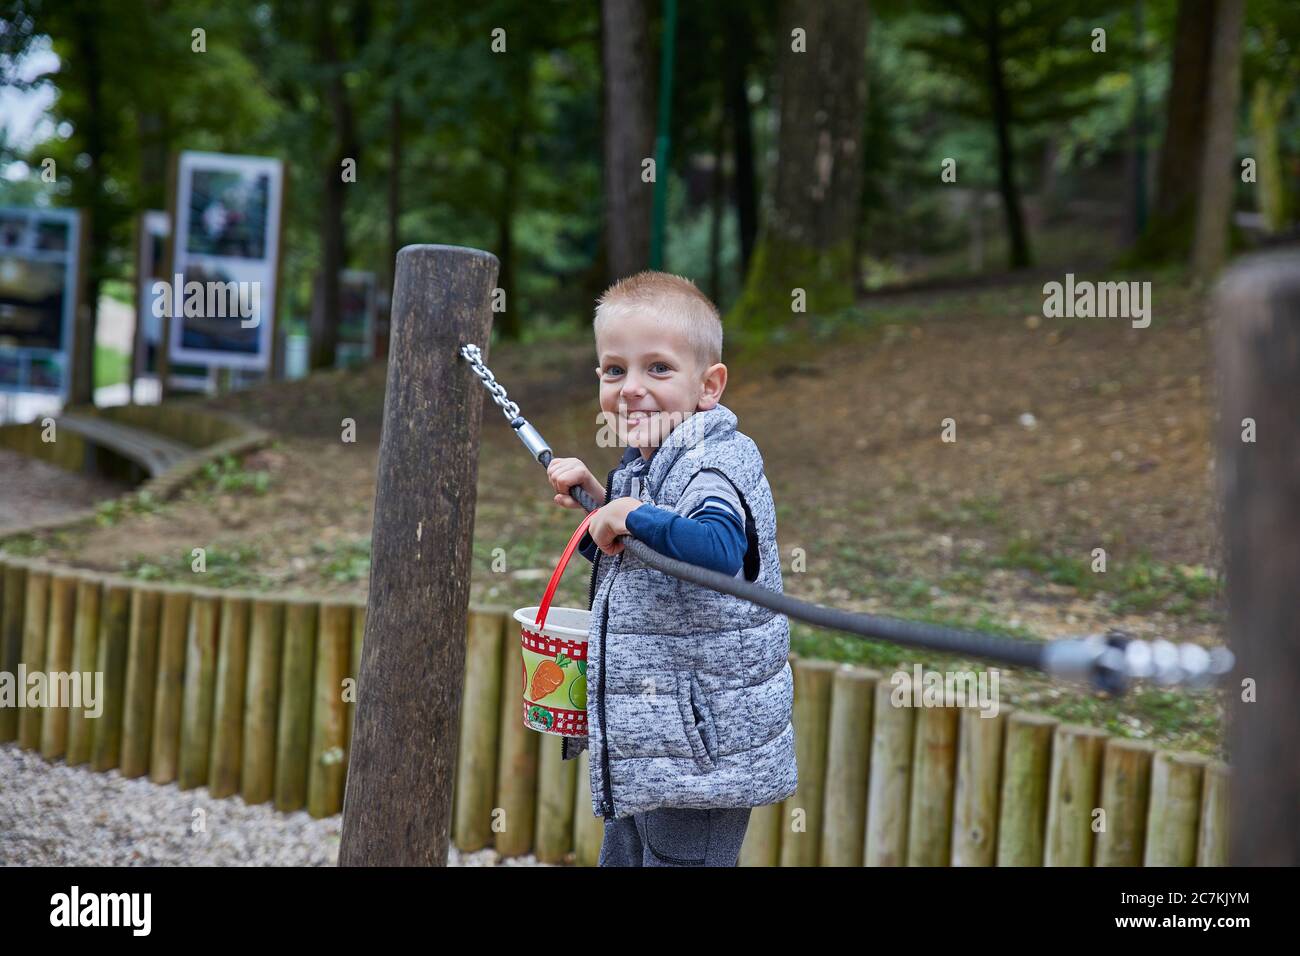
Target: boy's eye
(662, 366)
(612, 370)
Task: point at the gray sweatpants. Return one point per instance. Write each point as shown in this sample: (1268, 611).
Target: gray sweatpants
(673, 836)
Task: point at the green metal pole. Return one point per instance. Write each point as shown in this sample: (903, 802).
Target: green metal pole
(662, 138)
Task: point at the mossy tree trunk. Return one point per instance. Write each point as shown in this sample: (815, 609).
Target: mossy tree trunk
(1169, 230)
(806, 239)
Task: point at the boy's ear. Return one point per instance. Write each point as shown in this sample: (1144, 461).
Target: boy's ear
(714, 384)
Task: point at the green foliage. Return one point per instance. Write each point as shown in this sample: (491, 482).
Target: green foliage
(227, 474)
(233, 568)
(111, 366)
(109, 513)
(1137, 585)
(346, 562)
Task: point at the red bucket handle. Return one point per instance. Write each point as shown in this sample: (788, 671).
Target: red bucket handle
(559, 569)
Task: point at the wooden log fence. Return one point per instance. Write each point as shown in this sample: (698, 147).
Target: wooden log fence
(252, 696)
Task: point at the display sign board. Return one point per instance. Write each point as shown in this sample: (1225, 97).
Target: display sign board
(39, 251)
(224, 260)
(356, 317)
(151, 301)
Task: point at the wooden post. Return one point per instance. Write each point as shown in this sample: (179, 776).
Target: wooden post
(261, 712)
(36, 623)
(325, 774)
(517, 763)
(1212, 845)
(1257, 318)
(1075, 795)
(979, 778)
(1022, 811)
(11, 637)
(588, 829)
(354, 662)
(934, 772)
(228, 698)
(141, 681)
(1125, 788)
(85, 655)
(801, 833)
(480, 724)
(58, 659)
(293, 732)
(1174, 817)
(200, 685)
(399, 790)
(114, 639)
(164, 753)
(890, 787)
(848, 759)
(557, 781)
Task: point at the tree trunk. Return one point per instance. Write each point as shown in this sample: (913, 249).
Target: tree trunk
(737, 54)
(333, 235)
(1169, 226)
(508, 321)
(1218, 178)
(807, 237)
(1176, 178)
(81, 387)
(1267, 107)
(1017, 240)
(628, 133)
(716, 189)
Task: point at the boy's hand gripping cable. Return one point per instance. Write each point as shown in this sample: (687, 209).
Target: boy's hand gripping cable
(1108, 661)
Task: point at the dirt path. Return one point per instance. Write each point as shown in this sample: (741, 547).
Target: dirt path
(36, 491)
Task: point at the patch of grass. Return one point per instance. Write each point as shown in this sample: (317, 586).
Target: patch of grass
(111, 366)
(1139, 584)
(1026, 553)
(109, 513)
(25, 545)
(347, 562)
(973, 511)
(222, 569)
(227, 474)
(1177, 720)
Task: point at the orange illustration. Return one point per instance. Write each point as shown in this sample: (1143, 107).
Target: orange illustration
(548, 676)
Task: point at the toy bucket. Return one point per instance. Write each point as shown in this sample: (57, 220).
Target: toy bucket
(553, 643)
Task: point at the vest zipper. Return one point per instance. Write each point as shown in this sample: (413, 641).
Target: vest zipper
(608, 800)
(608, 807)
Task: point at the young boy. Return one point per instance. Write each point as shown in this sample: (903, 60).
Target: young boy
(689, 726)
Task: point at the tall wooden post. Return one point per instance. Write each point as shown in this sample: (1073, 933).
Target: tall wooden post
(397, 803)
(1257, 312)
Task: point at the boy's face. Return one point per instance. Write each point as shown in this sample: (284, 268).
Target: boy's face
(650, 380)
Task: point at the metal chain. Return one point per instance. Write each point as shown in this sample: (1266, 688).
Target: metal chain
(472, 355)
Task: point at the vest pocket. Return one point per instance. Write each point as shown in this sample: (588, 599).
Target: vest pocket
(697, 721)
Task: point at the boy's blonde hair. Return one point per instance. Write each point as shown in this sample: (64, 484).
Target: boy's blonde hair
(672, 299)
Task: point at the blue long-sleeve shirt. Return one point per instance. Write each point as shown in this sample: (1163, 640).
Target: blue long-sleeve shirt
(713, 536)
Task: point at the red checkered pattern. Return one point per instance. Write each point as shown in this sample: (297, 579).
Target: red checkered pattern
(551, 646)
(568, 723)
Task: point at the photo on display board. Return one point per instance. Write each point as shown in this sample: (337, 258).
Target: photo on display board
(228, 218)
(228, 214)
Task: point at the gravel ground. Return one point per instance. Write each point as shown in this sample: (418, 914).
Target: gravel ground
(36, 490)
(55, 815)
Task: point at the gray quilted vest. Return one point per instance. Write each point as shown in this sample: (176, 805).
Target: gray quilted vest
(693, 691)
